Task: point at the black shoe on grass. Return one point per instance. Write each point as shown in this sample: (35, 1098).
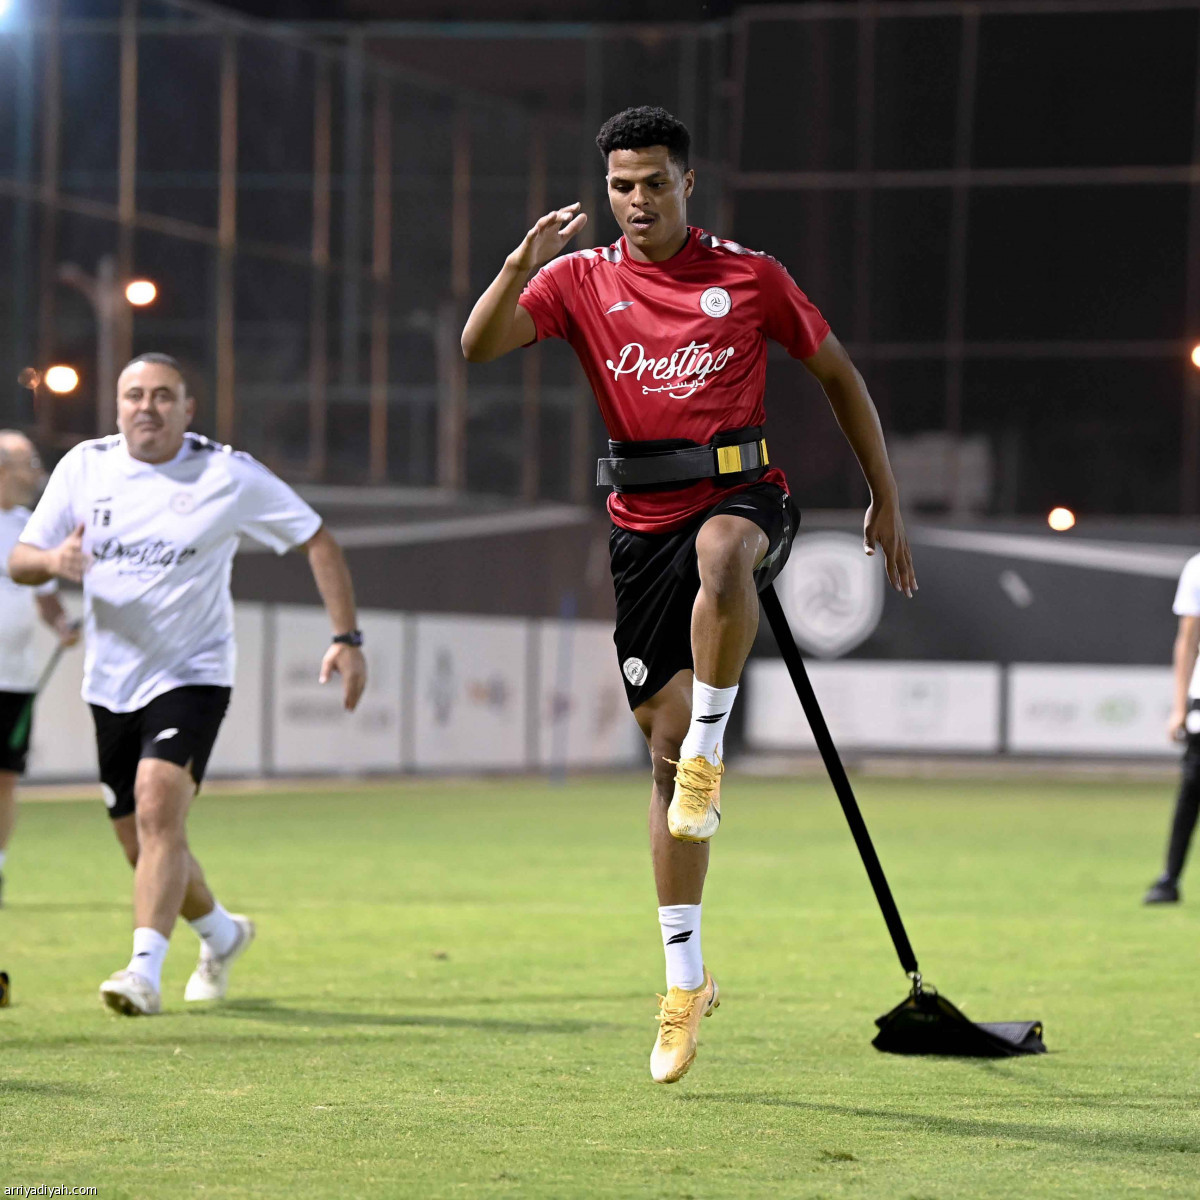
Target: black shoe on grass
(1162, 891)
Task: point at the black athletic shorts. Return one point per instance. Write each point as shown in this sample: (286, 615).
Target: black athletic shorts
(656, 579)
(16, 718)
(180, 727)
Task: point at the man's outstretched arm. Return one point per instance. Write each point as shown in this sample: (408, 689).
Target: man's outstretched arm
(498, 324)
(333, 581)
(855, 412)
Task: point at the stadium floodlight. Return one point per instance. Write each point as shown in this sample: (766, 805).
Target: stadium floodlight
(6, 7)
(1060, 519)
(1196, 355)
(61, 379)
(140, 292)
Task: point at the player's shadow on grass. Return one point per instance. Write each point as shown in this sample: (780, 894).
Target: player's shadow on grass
(1017, 1131)
(268, 1010)
(66, 906)
(40, 1087)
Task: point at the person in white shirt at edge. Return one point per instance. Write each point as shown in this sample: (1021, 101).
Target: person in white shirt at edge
(1183, 726)
(149, 520)
(21, 478)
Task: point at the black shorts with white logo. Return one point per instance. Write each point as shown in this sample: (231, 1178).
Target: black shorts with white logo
(179, 727)
(656, 579)
(16, 721)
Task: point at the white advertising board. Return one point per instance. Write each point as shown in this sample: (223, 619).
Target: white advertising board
(239, 748)
(311, 731)
(471, 692)
(1089, 710)
(583, 719)
(924, 706)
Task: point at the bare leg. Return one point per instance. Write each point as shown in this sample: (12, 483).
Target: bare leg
(679, 867)
(8, 806)
(725, 614)
(163, 869)
(198, 901)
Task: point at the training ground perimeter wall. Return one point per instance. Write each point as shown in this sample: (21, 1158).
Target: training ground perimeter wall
(1019, 641)
(463, 693)
(446, 693)
(966, 708)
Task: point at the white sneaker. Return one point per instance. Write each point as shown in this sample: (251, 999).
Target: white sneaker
(130, 994)
(210, 979)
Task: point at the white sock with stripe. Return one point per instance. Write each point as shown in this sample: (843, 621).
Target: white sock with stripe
(149, 951)
(680, 925)
(711, 707)
(217, 931)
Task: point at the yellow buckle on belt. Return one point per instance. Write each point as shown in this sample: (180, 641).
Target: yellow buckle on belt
(732, 460)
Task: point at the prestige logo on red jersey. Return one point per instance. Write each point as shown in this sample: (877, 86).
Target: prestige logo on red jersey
(686, 369)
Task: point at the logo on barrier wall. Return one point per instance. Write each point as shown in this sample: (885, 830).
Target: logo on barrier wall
(831, 592)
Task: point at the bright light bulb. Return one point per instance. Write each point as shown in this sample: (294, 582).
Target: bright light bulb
(61, 379)
(1060, 519)
(1196, 355)
(139, 292)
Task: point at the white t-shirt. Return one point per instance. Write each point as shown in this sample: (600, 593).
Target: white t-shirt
(1187, 604)
(161, 537)
(18, 612)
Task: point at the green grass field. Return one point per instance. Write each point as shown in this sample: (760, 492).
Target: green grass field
(452, 994)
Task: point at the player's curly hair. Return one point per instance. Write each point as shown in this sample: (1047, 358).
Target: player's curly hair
(636, 128)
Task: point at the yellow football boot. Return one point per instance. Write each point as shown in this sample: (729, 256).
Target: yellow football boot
(695, 810)
(679, 1018)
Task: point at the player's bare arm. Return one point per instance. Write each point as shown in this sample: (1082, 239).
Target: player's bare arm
(56, 617)
(33, 566)
(1187, 647)
(498, 324)
(859, 421)
(333, 581)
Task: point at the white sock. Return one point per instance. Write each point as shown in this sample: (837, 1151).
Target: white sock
(3, 857)
(217, 931)
(149, 951)
(711, 707)
(681, 942)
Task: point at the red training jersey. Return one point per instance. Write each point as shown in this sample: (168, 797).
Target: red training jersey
(674, 349)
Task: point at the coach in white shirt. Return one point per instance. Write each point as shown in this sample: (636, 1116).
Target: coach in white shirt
(21, 478)
(149, 521)
(1183, 726)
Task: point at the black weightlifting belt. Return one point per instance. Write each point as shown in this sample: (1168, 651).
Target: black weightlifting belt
(734, 456)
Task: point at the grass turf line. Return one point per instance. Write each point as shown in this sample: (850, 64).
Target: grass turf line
(452, 994)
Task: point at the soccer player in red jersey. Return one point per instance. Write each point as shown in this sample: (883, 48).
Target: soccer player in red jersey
(670, 324)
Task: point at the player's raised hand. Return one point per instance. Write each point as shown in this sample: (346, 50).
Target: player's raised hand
(349, 663)
(548, 237)
(884, 527)
(68, 560)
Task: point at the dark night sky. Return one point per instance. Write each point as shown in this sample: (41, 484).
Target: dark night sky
(485, 10)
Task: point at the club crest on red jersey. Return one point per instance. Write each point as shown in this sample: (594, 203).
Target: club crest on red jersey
(715, 302)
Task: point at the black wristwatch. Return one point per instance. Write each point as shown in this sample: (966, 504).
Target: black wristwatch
(353, 638)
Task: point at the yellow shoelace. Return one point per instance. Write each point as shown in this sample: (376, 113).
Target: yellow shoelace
(696, 777)
(673, 1022)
